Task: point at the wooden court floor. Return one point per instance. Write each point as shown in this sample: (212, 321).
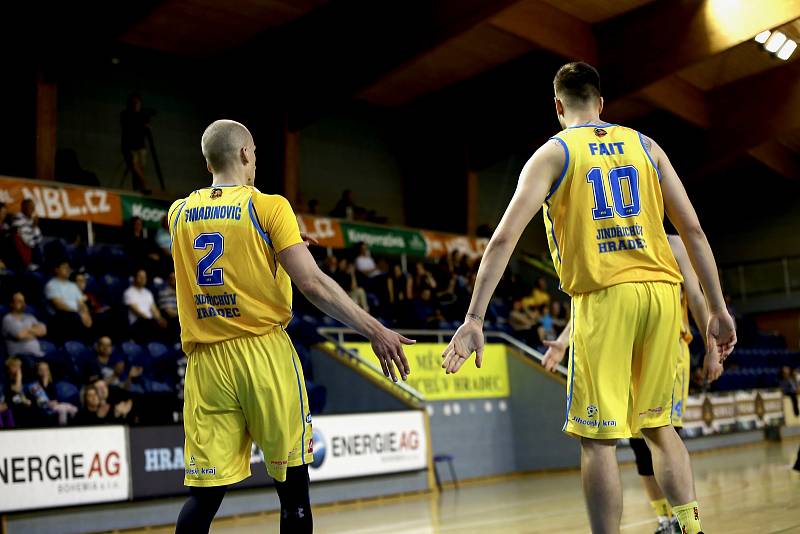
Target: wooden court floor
(749, 489)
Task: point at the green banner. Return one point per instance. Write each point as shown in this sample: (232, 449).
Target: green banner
(391, 240)
(150, 211)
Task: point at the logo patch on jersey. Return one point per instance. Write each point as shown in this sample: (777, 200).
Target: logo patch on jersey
(216, 192)
(599, 132)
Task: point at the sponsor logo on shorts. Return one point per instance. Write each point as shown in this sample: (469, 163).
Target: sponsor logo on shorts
(201, 471)
(597, 423)
(308, 419)
(591, 411)
(658, 410)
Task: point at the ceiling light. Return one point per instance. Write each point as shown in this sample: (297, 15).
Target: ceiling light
(786, 50)
(763, 36)
(774, 42)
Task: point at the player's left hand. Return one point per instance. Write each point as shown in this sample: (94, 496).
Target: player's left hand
(308, 240)
(712, 364)
(467, 339)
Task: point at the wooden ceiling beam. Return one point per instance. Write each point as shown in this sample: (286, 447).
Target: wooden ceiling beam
(648, 44)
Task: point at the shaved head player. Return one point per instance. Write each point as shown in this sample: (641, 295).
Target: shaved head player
(604, 188)
(236, 253)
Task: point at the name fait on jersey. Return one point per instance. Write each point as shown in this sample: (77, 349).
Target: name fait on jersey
(611, 239)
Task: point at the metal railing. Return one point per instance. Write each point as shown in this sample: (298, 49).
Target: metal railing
(338, 336)
(769, 277)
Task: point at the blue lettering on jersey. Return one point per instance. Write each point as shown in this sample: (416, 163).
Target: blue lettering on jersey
(606, 149)
(205, 213)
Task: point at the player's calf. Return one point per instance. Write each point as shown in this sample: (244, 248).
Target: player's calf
(295, 501)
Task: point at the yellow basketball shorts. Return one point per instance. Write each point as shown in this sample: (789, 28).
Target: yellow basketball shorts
(681, 388)
(623, 358)
(239, 391)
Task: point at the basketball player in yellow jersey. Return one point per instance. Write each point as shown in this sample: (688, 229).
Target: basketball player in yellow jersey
(605, 188)
(691, 299)
(236, 252)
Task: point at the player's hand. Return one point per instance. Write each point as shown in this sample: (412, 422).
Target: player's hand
(712, 365)
(721, 333)
(388, 347)
(467, 339)
(308, 240)
(554, 354)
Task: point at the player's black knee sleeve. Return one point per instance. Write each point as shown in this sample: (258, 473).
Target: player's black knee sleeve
(199, 510)
(295, 502)
(644, 459)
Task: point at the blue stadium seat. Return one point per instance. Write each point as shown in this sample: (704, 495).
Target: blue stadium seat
(48, 347)
(157, 350)
(68, 392)
(133, 352)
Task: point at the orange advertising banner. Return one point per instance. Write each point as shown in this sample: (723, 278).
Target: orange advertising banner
(64, 202)
(441, 244)
(327, 231)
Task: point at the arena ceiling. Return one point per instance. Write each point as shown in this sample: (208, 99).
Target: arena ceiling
(681, 70)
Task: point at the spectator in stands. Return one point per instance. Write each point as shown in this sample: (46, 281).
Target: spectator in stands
(93, 411)
(365, 264)
(347, 279)
(24, 412)
(98, 311)
(106, 366)
(72, 319)
(6, 415)
(423, 279)
(168, 304)
(135, 124)
(44, 391)
(163, 238)
(401, 284)
(524, 323)
(788, 384)
(539, 295)
(8, 257)
(547, 328)
(22, 330)
(425, 312)
(144, 318)
(559, 314)
(67, 169)
(345, 208)
(28, 235)
(121, 405)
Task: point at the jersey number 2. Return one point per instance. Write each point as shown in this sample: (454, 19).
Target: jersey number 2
(206, 274)
(602, 209)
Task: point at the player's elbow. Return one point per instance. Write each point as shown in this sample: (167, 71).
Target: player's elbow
(692, 232)
(310, 286)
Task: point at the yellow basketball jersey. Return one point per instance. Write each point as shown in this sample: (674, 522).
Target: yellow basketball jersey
(604, 215)
(225, 242)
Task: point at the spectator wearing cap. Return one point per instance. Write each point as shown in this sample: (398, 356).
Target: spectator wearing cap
(22, 330)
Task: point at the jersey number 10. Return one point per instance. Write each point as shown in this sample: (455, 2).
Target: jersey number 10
(602, 209)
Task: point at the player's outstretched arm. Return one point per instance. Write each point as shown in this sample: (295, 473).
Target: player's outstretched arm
(535, 181)
(326, 295)
(721, 330)
(557, 348)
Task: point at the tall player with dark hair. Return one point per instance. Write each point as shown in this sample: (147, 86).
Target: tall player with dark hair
(692, 299)
(236, 253)
(605, 188)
